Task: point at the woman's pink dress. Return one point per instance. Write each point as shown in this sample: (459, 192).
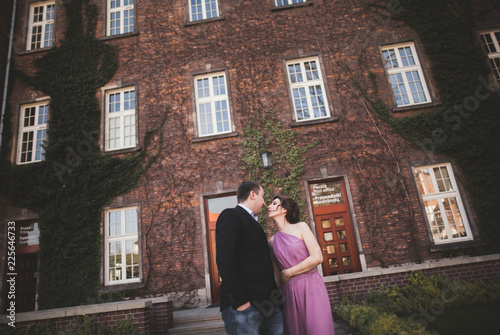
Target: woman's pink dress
(307, 309)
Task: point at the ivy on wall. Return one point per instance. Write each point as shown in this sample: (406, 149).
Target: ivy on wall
(465, 126)
(266, 133)
(70, 187)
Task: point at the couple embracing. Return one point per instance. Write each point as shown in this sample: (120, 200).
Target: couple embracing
(270, 287)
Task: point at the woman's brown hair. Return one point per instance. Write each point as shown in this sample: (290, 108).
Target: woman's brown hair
(291, 206)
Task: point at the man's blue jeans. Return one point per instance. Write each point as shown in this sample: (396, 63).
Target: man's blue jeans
(254, 321)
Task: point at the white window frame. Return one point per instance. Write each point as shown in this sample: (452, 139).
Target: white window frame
(123, 234)
(281, 3)
(216, 120)
(30, 148)
(204, 13)
(300, 90)
(493, 50)
(121, 135)
(44, 25)
(431, 195)
(396, 69)
(120, 9)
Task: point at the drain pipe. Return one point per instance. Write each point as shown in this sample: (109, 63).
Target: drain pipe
(7, 69)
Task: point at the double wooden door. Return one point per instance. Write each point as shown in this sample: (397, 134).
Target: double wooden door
(334, 227)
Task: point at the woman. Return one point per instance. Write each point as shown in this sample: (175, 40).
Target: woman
(294, 248)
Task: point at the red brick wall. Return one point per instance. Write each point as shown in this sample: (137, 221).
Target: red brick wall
(153, 318)
(482, 268)
(251, 42)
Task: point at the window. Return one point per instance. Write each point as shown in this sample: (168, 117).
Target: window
(120, 119)
(491, 41)
(405, 75)
(32, 132)
(120, 17)
(121, 246)
(307, 89)
(443, 206)
(203, 9)
(212, 104)
(288, 2)
(41, 25)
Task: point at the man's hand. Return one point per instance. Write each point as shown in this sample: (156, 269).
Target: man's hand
(243, 307)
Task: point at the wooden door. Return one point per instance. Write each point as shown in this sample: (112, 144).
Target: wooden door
(26, 266)
(334, 227)
(213, 207)
(26, 280)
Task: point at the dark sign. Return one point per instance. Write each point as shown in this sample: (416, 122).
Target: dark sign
(327, 193)
(27, 234)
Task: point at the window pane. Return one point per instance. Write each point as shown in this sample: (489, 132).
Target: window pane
(121, 17)
(454, 217)
(115, 261)
(295, 73)
(131, 221)
(390, 58)
(405, 75)
(121, 120)
(326, 223)
(435, 220)
(442, 203)
(40, 139)
(442, 179)
(123, 250)
(212, 105)
(415, 86)
(333, 262)
(29, 116)
(33, 133)
(406, 56)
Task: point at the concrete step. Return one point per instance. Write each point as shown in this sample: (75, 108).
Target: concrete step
(198, 321)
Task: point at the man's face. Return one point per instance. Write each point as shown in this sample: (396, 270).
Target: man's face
(259, 202)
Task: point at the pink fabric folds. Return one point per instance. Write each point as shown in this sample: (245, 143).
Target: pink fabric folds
(307, 309)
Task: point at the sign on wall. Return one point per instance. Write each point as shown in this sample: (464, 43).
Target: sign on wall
(327, 193)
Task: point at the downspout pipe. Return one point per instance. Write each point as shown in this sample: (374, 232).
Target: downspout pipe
(7, 69)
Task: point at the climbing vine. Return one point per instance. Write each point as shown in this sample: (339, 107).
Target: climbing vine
(465, 126)
(265, 132)
(69, 188)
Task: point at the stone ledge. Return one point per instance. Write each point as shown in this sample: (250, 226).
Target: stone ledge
(415, 267)
(87, 309)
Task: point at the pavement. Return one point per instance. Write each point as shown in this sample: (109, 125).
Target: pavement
(206, 315)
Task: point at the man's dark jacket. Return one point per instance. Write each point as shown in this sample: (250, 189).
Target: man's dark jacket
(243, 260)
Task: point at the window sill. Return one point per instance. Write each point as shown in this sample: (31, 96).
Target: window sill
(295, 124)
(121, 151)
(214, 137)
(415, 107)
(115, 37)
(193, 23)
(456, 245)
(119, 287)
(296, 5)
(30, 52)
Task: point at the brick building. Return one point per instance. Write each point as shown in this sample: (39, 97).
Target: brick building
(373, 199)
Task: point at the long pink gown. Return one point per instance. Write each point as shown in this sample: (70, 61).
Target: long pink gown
(307, 309)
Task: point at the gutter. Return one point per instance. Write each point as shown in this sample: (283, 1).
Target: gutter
(7, 69)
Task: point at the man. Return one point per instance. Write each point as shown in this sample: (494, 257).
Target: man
(249, 297)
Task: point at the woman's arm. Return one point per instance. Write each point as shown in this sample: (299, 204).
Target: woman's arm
(315, 254)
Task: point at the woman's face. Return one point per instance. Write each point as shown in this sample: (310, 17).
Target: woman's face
(275, 208)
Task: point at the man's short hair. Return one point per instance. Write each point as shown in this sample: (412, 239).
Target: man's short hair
(245, 188)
